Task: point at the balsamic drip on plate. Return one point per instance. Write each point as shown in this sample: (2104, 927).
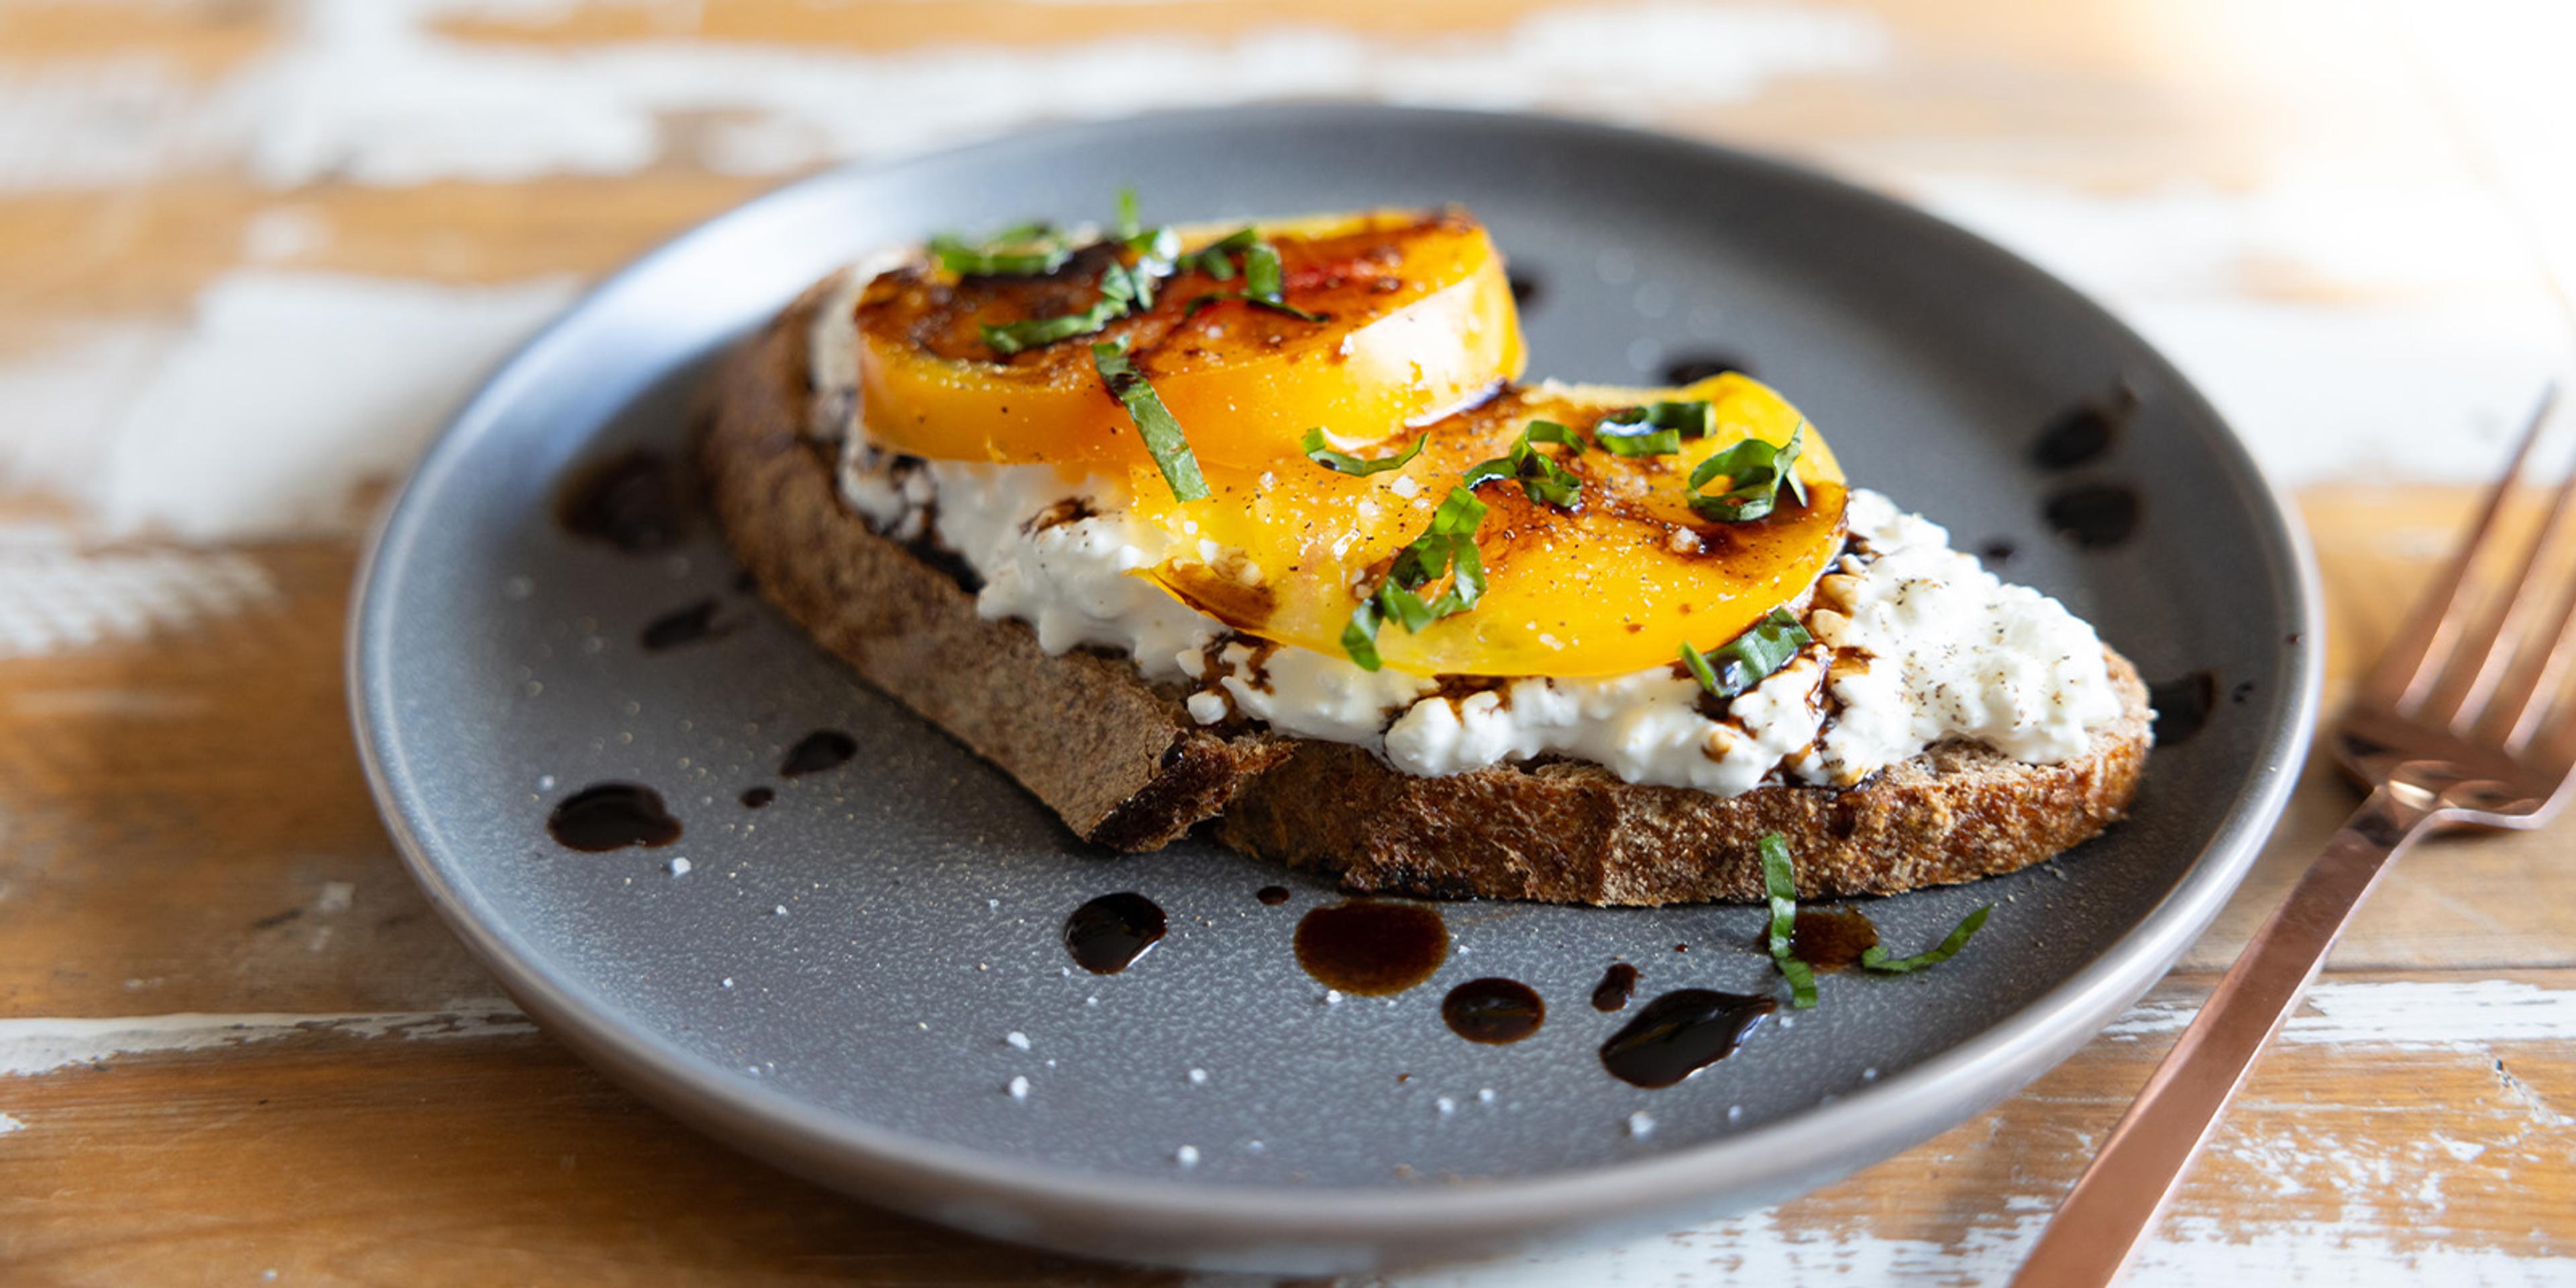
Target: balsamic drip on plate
(1271, 896)
(1693, 367)
(756, 797)
(1681, 1033)
(1495, 1012)
(1618, 984)
(612, 816)
(1371, 948)
(817, 751)
(2084, 432)
(2094, 515)
(686, 625)
(1109, 933)
(1831, 938)
(1527, 290)
(635, 501)
(2182, 705)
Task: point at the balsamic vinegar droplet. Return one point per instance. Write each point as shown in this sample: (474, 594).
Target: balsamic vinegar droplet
(1493, 1011)
(1371, 948)
(2094, 515)
(1271, 896)
(681, 626)
(1693, 368)
(1681, 1033)
(2083, 432)
(1618, 984)
(2182, 705)
(817, 751)
(612, 816)
(1827, 938)
(635, 501)
(756, 797)
(1109, 933)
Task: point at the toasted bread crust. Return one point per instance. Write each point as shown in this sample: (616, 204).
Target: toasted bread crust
(1120, 760)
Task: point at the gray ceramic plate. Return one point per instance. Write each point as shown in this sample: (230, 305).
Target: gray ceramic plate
(832, 983)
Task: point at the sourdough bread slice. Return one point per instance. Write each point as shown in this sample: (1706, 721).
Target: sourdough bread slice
(1122, 762)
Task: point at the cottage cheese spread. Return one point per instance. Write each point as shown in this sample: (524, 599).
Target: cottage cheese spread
(1916, 641)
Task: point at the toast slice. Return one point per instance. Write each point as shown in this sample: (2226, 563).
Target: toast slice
(1122, 762)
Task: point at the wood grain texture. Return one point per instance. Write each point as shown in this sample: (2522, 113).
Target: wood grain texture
(183, 828)
(348, 1161)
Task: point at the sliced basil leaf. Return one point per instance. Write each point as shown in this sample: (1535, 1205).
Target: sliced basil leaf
(1447, 547)
(1130, 221)
(1749, 658)
(1212, 259)
(1123, 290)
(1262, 275)
(1154, 423)
(1359, 638)
(1012, 337)
(1158, 249)
(1005, 254)
(1282, 306)
(1876, 958)
(1698, 664)
(1261, 272)
(1313, 443)
(1656, 429)
(1548, 431)
(1539, 475)
(1755, 472)
(1642, 442)
(1780, 886)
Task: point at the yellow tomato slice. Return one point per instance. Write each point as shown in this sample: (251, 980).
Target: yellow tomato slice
(1418, 321)
(1615, 585)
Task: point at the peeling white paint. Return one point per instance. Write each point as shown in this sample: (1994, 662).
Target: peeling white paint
(2389, 1200)
(367, 91)
(30, 1047)
(2396, 1013)
(57, 595)
(2184, 1253)
(2436, 303)
(262, 414)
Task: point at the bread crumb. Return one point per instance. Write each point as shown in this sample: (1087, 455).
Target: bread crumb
(1019, 1041)
(1640, 1125)
(1186, 1156)
(1019, 1088)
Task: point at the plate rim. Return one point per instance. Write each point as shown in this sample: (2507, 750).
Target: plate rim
(1028, 1200)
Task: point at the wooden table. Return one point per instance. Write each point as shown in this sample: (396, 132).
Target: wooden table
(251, 252)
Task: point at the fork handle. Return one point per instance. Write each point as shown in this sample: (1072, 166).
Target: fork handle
(2118, 1199)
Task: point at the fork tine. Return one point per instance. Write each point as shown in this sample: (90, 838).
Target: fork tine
(2479, 660)
(2514, 716)
(2399, 672)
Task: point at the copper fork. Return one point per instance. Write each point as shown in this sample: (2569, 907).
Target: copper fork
(2462, 721)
